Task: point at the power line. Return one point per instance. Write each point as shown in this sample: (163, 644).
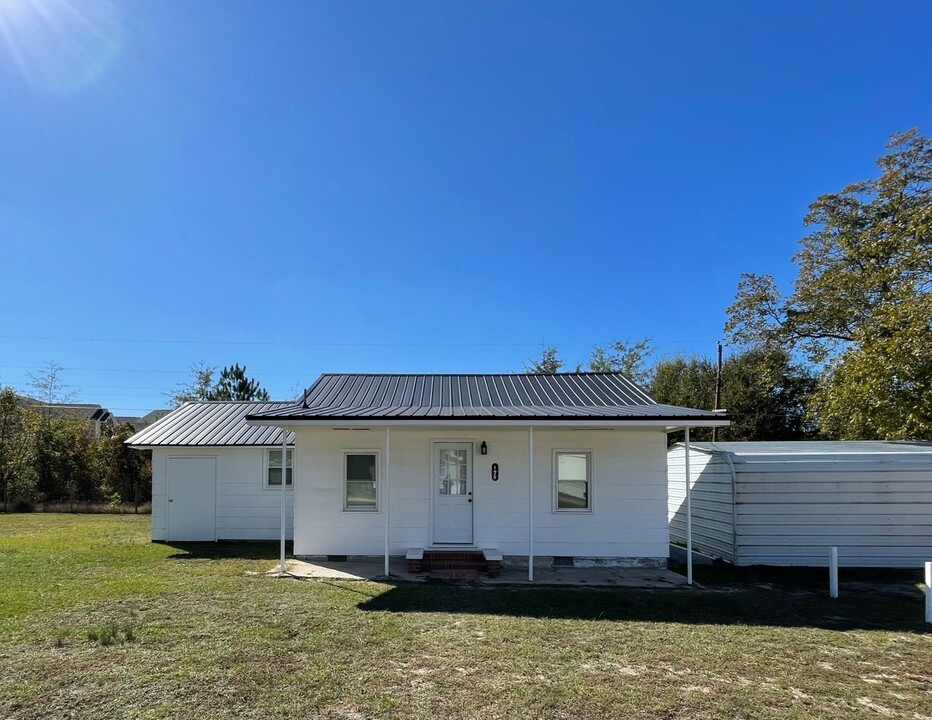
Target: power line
(286, 343)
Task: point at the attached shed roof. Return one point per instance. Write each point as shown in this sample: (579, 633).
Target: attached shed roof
(818, 454)
(818, 447)
(561, 396)
(211, 424)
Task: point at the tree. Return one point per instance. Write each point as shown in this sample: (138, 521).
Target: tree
(763, 391)
(15, 469)
(127, 472)
(199, 388)
(548, 364)
(861, 307)
(235, 385)
(627, 358)
(48, 386)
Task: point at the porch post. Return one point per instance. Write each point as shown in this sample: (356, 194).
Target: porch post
(385, 489)
(281, 560)
(689, 518)
(530, 503)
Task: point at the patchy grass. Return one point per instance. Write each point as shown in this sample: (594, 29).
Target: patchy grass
(209, 640)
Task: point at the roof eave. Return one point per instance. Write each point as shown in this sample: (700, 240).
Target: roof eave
(671, 424)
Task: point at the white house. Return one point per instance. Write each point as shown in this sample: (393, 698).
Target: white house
(566, 468)
(787, 503)
(213, 476)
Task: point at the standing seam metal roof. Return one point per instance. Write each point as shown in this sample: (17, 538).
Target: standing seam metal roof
(559, 396)
(212, 424)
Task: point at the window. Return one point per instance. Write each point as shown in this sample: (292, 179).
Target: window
(572, 479)
(360, 474)
(273, 469)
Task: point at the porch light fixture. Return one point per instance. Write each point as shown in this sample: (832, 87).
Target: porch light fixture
(483, 448)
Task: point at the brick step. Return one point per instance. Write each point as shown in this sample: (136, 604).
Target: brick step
(457, 564)
(454, 565)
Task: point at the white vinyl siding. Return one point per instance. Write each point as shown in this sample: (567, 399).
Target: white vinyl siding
(245, 508)
(628, 473)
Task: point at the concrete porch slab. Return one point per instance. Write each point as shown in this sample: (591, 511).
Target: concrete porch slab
(515, 575)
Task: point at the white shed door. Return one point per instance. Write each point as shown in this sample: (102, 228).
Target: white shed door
(192, 498)
(452, 491)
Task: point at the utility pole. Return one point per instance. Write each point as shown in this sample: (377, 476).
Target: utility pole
(718, 386)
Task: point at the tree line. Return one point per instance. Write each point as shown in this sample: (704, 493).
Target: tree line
(54, 459)
(848, 353)
(51, 457)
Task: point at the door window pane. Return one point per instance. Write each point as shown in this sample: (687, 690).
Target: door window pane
(453, 472)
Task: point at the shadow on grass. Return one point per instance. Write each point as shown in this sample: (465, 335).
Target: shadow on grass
(749, 606)
(227, 550)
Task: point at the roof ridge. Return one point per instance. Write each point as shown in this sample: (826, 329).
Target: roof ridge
(473, 374)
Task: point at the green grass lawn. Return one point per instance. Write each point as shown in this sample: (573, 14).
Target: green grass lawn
(196, 636)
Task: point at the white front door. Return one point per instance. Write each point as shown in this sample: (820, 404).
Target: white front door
(192, 498)
(452, 492)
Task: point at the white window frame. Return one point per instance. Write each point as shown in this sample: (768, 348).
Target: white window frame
(265, 469)
(378, 481)
(555, 489)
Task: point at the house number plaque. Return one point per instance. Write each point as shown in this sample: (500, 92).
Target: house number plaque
(494, 471)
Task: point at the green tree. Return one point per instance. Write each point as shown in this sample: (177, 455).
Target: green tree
(127, 472)
(861, 307)
(763, 391)
(234, 384)
(628, 358)
(16, 479)
(548, 363)
(198, 388)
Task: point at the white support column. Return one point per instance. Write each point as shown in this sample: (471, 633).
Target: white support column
(386, 493)
(833, 572)
(281, 560)
(530, 503)
(689, 518)
(928, 579)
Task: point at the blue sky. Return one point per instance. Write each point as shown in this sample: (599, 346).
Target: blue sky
(415, 186)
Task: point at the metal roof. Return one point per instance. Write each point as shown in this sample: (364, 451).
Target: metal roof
(211, 424)
(560, 396)
(818, 447)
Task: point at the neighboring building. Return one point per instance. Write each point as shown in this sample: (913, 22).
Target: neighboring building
(787, 503)
(140, 423)
(213, 476)
(99, 418)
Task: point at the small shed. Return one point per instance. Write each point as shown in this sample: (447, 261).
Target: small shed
(787, 503)
(216, 478)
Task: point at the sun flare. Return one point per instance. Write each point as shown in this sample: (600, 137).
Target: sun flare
(60, 46)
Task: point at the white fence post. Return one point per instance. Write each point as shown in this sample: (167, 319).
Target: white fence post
(833, 573)
(929, 592)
